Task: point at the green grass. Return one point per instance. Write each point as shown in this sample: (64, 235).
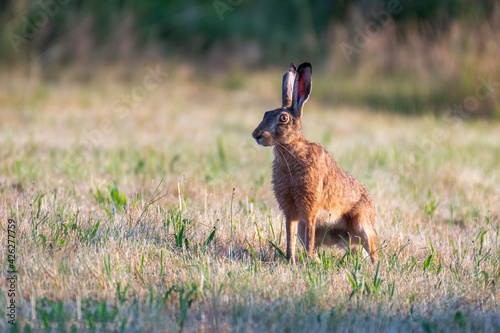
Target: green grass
(167, 222)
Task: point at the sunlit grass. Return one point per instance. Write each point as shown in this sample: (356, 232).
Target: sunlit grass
(164, 218)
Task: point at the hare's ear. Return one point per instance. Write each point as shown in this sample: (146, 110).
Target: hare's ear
(288, 82)
(302, 88)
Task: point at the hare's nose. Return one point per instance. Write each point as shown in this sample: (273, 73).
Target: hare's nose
(257, 135)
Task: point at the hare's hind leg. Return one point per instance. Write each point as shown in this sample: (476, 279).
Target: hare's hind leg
(361, 226)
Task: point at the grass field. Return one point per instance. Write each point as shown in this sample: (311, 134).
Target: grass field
(148, 207)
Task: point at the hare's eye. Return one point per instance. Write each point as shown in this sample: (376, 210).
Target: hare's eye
(284, 118)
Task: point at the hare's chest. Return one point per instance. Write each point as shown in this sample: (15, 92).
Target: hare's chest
(286, 193)
(294, 186)
(289, 179)
(283, 184)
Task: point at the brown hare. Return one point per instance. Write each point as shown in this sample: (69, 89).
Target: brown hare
(324, 203)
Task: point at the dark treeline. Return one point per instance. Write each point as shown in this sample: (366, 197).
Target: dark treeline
(71, 29)
(424, 55)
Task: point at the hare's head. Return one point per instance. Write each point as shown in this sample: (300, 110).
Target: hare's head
(283, 125)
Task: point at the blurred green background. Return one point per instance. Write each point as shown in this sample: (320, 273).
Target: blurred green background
(408, 56)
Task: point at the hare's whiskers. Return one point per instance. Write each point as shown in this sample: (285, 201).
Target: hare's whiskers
(290, 152)
(283, 156)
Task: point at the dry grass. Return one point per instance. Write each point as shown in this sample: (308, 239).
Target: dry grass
(415, 71)
(89, 258)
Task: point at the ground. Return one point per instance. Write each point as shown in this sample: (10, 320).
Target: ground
(149, 207)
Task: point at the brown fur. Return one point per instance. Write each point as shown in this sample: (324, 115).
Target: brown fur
(320, 200)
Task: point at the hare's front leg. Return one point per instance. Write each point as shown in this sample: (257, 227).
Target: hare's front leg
(310, 235)
(307, 233)
(291, 234)
(302, 233)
